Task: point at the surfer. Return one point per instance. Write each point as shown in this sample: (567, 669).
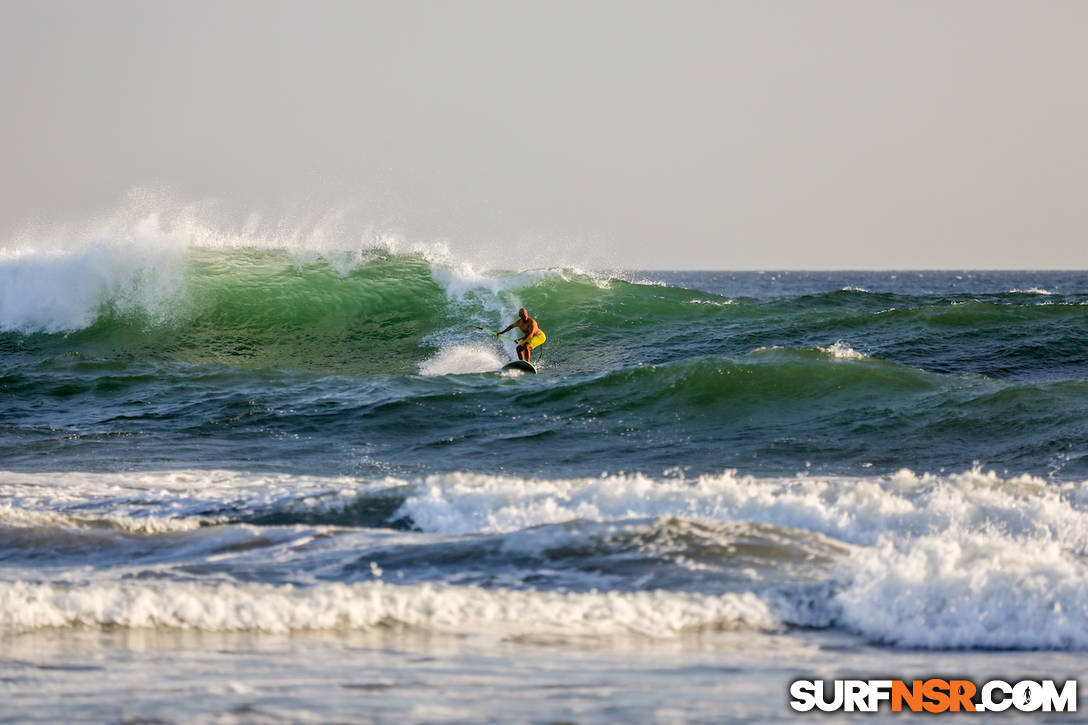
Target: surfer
(532, 337)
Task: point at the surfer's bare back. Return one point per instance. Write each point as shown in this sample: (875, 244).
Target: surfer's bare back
(532, 335)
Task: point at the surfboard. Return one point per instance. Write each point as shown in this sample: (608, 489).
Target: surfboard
(525, 367)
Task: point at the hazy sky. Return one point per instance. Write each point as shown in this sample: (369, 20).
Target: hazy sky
(724, 135)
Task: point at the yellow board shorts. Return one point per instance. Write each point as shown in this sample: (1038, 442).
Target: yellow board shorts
(535, 341)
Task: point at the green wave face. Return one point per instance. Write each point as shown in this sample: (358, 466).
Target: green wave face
(373, 357)
(378, 312)
(259, 309)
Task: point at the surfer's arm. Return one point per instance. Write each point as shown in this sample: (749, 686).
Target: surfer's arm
(508, 329)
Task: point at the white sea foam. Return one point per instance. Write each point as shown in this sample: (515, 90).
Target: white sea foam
(843, 351)
(967, 590)
(162, 501)
(854, 510)
(960, 560)
(967, 560)
(254, 607)
(458, 359)
(839, 349)
(17, 516)
(460, 280)
(857, 510)
(714, 303)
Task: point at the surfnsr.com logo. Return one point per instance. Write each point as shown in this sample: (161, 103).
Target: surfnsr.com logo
(933, 695)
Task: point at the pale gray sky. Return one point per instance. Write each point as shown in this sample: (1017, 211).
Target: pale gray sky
(722, 135)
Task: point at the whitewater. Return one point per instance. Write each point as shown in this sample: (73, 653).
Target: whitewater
(277, 476)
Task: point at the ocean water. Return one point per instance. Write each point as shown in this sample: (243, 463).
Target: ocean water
(260, 482)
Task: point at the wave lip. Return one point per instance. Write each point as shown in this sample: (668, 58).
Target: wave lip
(55, 291)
